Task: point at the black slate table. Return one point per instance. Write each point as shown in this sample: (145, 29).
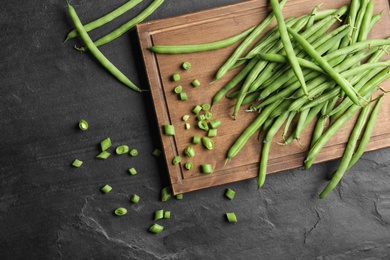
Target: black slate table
(50, 210)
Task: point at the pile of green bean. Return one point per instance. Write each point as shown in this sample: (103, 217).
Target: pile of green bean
(92, 46)
(306, 69)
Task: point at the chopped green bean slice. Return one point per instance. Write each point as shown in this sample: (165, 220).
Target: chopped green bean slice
(105, 144)
(133, 152)
(187, 126)
(176, 160)
(103, 155)
(169, 130)
(166, 193)
(186, 65)
(120, 211)
(178, 89)
(106, 188)
(231, 217)
(208, 115)
(196, 139)
(134, 198)
(188, 165)
(183, 96)
(175, 77)
(203, 125)
(77, 163)
(215, 123)
(201, 117)
(122, 149)
(156, 228)
(185, 117)
(197, 109)
(206, 107)
(167, 214)
(157, 152)
(212, 133)
(83, 125)
(132, 171)
(229, 193)
(189, 151)
(179, 196)
(208, 143)
(159, 214)
(207, 168)
(195, 83)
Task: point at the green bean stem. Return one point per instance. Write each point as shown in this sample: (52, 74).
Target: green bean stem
(104, 19)
(126, 26)
(96, 52)
(348, 151)
(192, 48)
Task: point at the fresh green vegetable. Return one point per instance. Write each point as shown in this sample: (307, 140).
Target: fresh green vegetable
(83, 125)
(103, 155)
(188, 165)
(197, 109)
(176, 77)
(132, 171)
(166, 193)
(178, 49)
(186, 65)
(169, 130)
(133, 152)
(156, 228)
(189, 151)
(207, 168)
(105, 19)
(134, 198)
(122, 149)
(176, 160)
(96, 52)
(120, 211)
(77, 163)
(183, 96)
(167, 214)
(208, 143)
(106, 188)
(105, 144)
(229, 193)
(231, 217)
(157, 152)
(195, 83)
(196, 139)
(178, 89)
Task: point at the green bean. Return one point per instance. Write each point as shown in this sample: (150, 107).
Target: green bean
(106, 188)
(273, 57)
(208, 143)
(120, 211)
(189, 151)
(337, 124)
(358, 47)
(83, 125)
(320, 124)
(134, 198)
(96, 52)
(348, 152)
(192, 48)
(367, 133)
(300, 124)
(230, 194)
(77, 163)
(287, 44)
(267, 146)
(359, 20)
(207, 168)
(231, 217)
(374, 20)
(233, 83)
(126, 26)
(156, 228)
(132, 171)
(245, 44)
(122, 149)
(365, 24)
(169, 129)
(353, 10)
(343, 83)
(250, 130)
(310, 22)
(373, 81)
(166, 193)
(105, 19)
(289, 120)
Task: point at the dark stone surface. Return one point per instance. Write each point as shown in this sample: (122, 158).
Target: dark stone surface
(49, 210)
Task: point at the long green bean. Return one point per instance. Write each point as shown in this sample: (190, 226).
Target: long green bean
(96, 52)
(192, 48)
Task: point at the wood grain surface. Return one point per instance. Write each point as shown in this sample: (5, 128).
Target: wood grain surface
(212, 25)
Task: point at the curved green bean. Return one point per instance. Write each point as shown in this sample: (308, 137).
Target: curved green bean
(191, 48)
(96, 52)
(126, 26)
(104, 19)
(348, 152)
(366, 22)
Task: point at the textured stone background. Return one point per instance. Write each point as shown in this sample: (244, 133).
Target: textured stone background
(49, 210)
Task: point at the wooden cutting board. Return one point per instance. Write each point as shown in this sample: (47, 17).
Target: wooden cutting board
(212, 25)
